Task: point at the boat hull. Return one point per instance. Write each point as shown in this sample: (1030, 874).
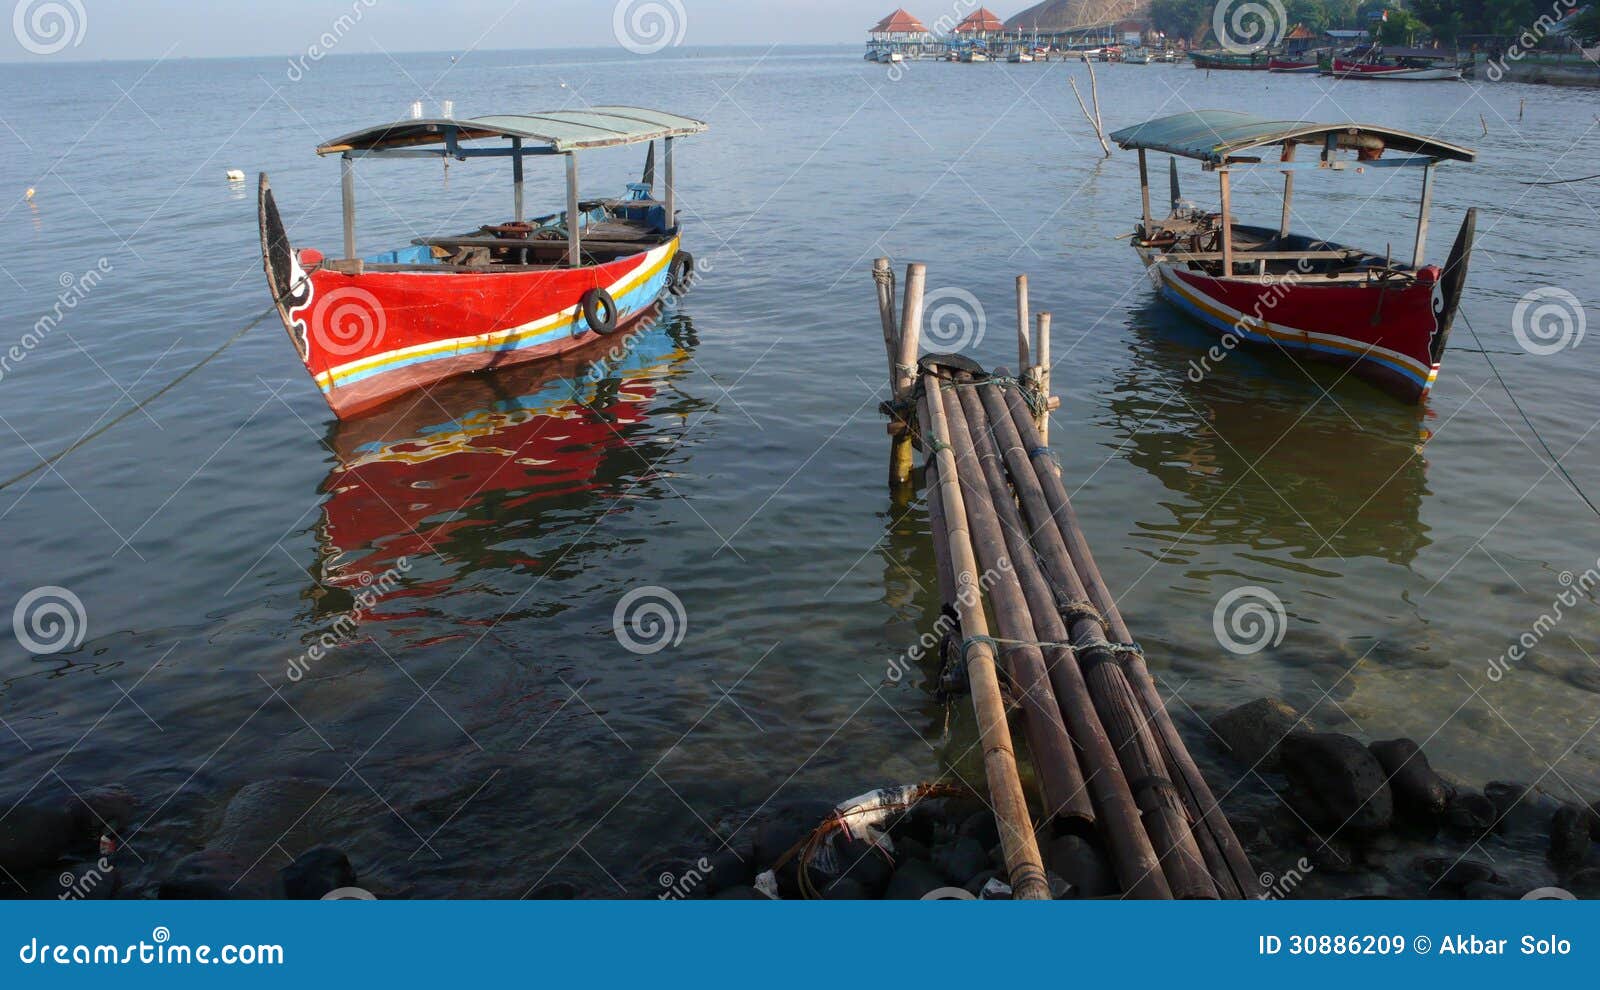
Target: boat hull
(1358, 70)
(1384, 335)
(369, 338)
(1287, 66)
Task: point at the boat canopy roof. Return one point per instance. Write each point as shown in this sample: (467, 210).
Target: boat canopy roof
(1214, 136)
(558, 131)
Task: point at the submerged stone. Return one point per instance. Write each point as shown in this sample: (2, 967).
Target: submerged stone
(1253, 731)
(1336, 782)
(1419, 794)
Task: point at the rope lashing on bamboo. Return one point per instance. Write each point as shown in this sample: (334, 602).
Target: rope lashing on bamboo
(883, 276)
(1030, 394)
(1074, 611)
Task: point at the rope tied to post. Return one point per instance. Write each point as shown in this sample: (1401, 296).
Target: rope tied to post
(1073, 611)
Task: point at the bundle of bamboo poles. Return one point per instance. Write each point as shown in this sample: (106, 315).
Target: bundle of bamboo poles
(1108, 760)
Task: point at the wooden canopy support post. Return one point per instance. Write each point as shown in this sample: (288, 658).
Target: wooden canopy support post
(671, 177)
(1227, 222)
(347, 186)
(516, 179)
(1288, 191)
(574, 242)
(1024, 865)
(1024, 349)
(1144, 191)
(1418, 255)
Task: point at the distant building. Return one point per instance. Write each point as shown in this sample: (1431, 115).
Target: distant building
(981, 23)
(899, 27)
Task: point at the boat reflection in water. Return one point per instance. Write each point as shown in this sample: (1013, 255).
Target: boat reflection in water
(1258, 469)
(476, 472)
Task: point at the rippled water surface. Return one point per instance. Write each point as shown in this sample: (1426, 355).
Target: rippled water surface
(486, 732)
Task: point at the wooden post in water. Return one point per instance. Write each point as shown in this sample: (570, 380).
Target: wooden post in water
(904, 374)
(1041, 380)
(1024, 349)
(883, 275)
(1024, 865)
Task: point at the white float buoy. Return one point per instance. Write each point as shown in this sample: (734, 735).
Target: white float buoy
(235, 175)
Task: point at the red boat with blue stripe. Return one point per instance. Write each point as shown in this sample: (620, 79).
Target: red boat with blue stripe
(1386, 320)
(373, 329)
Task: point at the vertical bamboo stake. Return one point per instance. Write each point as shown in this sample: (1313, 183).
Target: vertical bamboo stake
(905, 368)
(1041, 378)
(1024, 865)
(883, 275)
(1023, 347)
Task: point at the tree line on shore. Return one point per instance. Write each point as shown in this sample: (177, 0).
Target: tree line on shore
(1447, 22)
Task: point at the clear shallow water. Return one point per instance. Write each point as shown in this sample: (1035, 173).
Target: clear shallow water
(487, 731)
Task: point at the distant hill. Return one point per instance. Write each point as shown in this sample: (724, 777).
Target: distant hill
(1054, 16)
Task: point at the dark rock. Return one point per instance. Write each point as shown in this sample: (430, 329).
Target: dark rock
(865, 864)
(1253, 731)
(1483, 890)
(1519, 807)
(36, 834)
(739, 894)
(282, 812)
(1455, 874)
(789, 824)
(1569, 835)
(913, 879)
(846, 889)
(906, 847)
(1471, 814)
(976, 884)
(1336, 782)
(729, 868)
(1060, 890)
(1081, 865)
(317, 872)
(218, 875)
(960, 860)
(556, 890)
(1585, 882)
(1419, 794)
(981, 826)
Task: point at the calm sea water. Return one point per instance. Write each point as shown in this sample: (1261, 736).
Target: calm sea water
(486, 731)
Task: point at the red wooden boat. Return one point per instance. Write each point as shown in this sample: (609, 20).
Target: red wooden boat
(1387, 321)
(1403, 64)
(370, 329)
(1298, 66)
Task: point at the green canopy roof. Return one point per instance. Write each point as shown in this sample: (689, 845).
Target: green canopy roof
(1216, 135)
(559, 130)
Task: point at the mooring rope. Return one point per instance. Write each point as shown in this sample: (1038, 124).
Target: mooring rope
(143, 403)
(993, 642)
(1554, 461)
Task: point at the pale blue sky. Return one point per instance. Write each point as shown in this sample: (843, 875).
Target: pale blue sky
(200, 28)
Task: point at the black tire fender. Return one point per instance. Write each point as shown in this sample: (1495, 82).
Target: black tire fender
(600, 310)
(680, 274)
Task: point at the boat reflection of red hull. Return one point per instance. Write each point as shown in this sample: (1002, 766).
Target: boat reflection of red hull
(412, 483)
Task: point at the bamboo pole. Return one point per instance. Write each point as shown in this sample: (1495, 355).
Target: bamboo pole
(1041, 379)
(883, 275)
(936, 525)
(1133, 856)
(905, 368)
(1219, 843)
(1024, 866)
(1165, 817)
(1066, 801)
(1023, 347)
